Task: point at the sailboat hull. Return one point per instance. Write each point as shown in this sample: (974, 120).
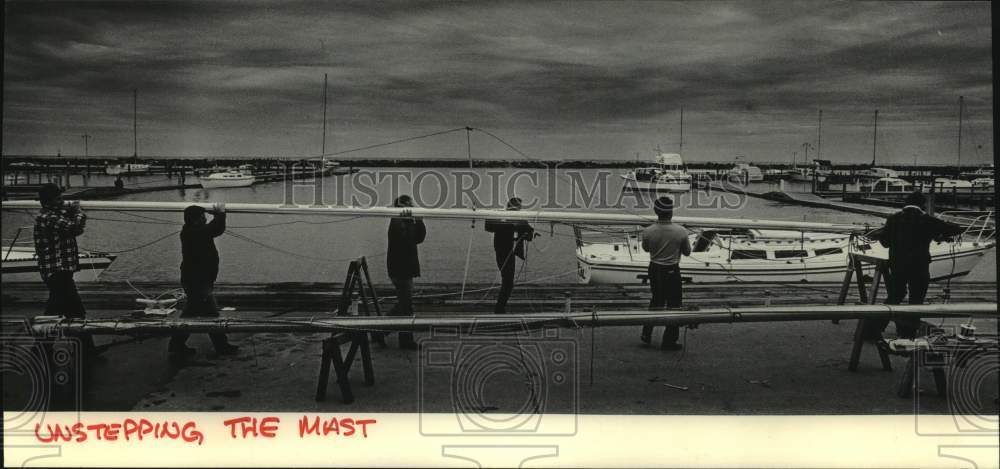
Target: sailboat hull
(21, 265)
(209, 183)
(947, 262)
(119, 169)
(680, 185)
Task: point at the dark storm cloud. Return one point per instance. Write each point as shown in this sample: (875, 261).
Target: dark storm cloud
(611, 72)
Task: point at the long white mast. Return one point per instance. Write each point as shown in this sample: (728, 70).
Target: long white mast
(492, 322)
(589, 218)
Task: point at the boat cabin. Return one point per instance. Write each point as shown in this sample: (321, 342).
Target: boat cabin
(890, 184)
(670, 161)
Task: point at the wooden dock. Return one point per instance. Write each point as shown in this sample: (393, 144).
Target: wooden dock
(805, 200)
(174, 182)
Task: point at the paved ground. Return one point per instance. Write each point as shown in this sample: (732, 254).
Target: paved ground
(766, 368)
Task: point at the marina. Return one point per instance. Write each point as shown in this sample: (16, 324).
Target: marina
(300, 298)
(783, 298)
(499, 234)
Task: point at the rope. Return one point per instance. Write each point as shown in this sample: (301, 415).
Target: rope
(304, 222)
(593, 343)
(468, 256)
(295, 254)
(157, 240)
(146, 217)
(378, 145)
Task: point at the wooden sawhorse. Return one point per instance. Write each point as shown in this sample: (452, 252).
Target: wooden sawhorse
(342, 364)
(358, 281)
(855, 267)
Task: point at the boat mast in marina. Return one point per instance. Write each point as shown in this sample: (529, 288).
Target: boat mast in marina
(323, 147)
(875, 138)
(126, 166)
(958, 167)
(135, 124)
(680, 148)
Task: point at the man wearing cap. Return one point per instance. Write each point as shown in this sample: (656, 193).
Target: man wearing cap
(508, 244)
(908, 235)
(665, 242)
(199, 269)
(56, 228)
(403, 263)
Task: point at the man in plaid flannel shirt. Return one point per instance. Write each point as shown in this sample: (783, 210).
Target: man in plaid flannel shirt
(56, 229)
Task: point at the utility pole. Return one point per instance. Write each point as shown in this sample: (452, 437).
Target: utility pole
(86, 150)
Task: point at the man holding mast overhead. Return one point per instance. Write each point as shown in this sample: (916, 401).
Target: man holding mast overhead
(403, 263)
(56, 228)
(199, 269)
(665, 242)
(508, 243)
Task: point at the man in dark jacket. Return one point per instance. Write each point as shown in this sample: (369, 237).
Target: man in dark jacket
(199, 269)
(403, 262)
(908, 235)
(508, 244)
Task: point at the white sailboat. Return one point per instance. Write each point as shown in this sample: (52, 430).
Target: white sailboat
(132, 165)
(231, 178)
(870, 176)
(20, 264)
(760, 255)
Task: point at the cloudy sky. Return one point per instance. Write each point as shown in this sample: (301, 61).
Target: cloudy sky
(569, 80)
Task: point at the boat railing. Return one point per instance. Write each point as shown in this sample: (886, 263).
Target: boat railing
(605, 235)
(980, 226)
(16, 241)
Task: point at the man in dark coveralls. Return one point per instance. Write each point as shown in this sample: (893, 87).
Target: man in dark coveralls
(199, 269)
(908, 235)
(508, 243)
(403, 263)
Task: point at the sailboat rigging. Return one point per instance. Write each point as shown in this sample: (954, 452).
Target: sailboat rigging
(132, 165)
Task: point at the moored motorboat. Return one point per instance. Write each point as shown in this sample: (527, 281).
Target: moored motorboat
(985, 182)
(668, 176)
(948, 183)
(891, 184)
(117, 169)
(745, 172)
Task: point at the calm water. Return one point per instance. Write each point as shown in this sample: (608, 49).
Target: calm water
(279, 248)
